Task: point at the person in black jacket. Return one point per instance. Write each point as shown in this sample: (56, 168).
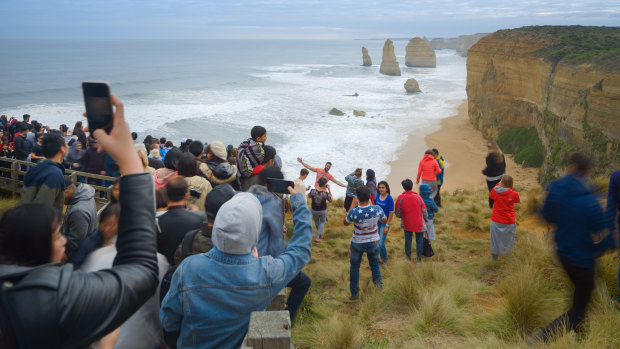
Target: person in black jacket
(178, 220)
(21, 144)
(496, 167)
(48, 305)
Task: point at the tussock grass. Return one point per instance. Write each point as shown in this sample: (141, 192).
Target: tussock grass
(459, 298)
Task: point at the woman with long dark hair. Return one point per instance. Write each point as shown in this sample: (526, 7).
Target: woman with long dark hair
(496, 167)
(386, 202)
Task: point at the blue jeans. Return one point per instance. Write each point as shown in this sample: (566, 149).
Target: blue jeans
(372, 253)
(319, 218)
(382, 249)
(418, 244)
(299, 287)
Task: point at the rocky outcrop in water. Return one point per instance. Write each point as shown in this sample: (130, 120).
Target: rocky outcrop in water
(546, 77)
(359, 113)
(389, 65)
(420, 54)
(462, 44)
(412, 86)
(366, 61)
(336, 112)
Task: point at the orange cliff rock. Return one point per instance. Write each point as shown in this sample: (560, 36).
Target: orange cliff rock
(573, 106)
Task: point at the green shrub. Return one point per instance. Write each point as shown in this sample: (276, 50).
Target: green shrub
(524, 144)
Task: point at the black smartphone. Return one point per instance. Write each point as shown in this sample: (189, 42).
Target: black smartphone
(279, 185)
(195, 193)
(98, 105)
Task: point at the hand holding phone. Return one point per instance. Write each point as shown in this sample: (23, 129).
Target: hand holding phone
(279, 185)
(98, 105)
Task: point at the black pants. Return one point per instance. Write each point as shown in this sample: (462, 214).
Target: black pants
(299, 287)
(347, 203)
(583, 279)
(438, 196)
(492, 184)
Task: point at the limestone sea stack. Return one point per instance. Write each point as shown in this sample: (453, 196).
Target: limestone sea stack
(420, 54)
(389, 65)
(412, 85)
(367, 62)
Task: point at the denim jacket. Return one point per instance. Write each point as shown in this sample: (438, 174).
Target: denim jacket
(271, 237)
(212, 294)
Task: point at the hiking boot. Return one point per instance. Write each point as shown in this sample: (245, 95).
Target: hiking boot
(354, 297)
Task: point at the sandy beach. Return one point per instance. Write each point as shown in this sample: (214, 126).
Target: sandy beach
(464, 150)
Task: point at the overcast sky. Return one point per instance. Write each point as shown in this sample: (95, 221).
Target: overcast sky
(288, 19)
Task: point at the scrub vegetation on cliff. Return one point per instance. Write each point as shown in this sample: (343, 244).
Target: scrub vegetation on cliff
(459, 298)
(578, 44)
(524, 144)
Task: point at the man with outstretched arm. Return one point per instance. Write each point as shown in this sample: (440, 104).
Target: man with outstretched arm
(322, 173)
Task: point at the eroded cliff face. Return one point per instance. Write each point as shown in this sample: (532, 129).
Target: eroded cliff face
(573, 107)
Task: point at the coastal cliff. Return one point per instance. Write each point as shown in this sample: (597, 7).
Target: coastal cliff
(562, 81)
(462, 44)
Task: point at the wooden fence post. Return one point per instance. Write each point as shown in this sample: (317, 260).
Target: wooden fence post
(15, 178)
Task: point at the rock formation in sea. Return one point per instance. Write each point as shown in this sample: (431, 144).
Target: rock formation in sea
(462, 44)
(420, 54)
(563, 81)
(389, 65)
(366, 61)
(412, 85)
(336, 112)
(359, 113)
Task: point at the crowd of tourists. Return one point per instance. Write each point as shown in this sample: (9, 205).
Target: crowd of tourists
(189, 273)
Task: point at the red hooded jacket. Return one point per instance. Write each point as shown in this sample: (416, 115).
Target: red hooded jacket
(411, 204)
(428, 168)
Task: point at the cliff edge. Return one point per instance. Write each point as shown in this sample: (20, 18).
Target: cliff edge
(562, 80)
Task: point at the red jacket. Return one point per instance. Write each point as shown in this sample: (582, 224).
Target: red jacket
(504, 206)
(428, 168)
(411, 204)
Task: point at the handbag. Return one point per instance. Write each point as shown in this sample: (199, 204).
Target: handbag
(398, 213)
(427, 249)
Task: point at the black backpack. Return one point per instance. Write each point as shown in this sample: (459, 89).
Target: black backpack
(186, 251)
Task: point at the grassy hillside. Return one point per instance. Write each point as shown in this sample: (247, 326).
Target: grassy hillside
(459, 298)
(576, 44)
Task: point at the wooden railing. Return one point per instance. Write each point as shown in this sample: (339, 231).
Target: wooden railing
(10, 179)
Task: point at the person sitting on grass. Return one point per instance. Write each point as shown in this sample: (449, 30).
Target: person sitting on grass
(431, 208)
(365, 239)
(503, 222)
(212, 295)
(45, 181)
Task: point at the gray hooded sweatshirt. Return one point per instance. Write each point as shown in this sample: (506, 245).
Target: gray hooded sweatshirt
(80, 217)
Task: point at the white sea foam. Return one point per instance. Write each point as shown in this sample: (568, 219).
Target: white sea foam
(292, 101)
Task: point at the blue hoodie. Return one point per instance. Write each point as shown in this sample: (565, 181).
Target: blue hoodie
(45, 183)
(573, 207)
(431, 207)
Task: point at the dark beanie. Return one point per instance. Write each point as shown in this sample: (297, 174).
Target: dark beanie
(217, 197)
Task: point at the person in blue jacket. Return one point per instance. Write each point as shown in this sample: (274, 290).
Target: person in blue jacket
(613, 205)
(573, 207)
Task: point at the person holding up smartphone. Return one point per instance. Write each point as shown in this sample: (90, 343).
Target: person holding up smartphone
(48, 305)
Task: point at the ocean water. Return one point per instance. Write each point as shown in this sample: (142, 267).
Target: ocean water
(217, 90)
